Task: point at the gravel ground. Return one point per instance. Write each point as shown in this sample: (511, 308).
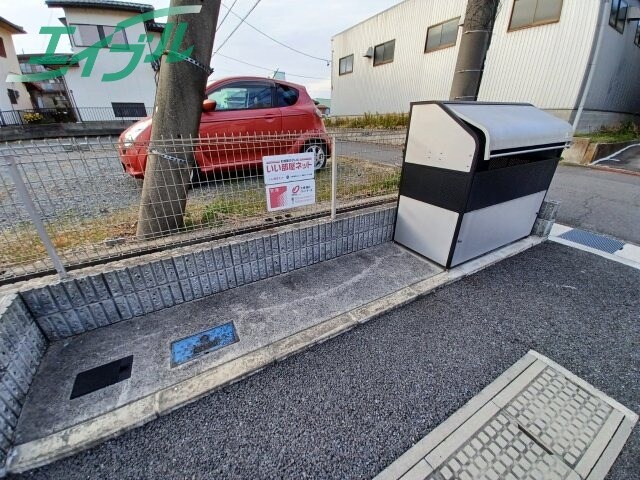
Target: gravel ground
(89, 183)
(83, 184)
(349, 407)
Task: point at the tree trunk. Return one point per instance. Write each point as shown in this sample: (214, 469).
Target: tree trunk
(476, 37)
(176, 122)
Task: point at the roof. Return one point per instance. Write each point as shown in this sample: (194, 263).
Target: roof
(324, 101)
(101, 4)
(12, 27)
(155, 26)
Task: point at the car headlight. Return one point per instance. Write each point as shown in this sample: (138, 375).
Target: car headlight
(134, 132)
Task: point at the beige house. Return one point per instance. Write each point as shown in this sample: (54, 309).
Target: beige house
(13, 96)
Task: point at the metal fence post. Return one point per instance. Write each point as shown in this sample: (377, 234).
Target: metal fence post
(23, 194)
(334, 177)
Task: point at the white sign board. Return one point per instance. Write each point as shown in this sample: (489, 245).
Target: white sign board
(288, 168)
(291, 195)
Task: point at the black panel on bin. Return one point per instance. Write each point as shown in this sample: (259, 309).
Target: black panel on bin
(446, 189)
(505, 184)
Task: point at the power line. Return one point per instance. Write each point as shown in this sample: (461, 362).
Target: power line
(227, 14)
(242, 20)
(268, 69)
(237, 26)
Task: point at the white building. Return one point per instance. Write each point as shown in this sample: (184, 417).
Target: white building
(542, 52)
(94, 20)
(13, 96)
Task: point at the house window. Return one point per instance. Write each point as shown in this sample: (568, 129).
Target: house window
(618, 16)
(637, 40)
(384, 53)
(13, 96)
(346, 65)
(531, 13)
(89, 35)
(443, 35)
(129, 110)
(3, 52)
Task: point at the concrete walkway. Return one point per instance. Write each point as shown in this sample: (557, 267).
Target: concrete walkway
(264, 314)
(349, 407)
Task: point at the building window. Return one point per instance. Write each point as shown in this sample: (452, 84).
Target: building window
(346, 65)
(618, 16)
(531, 13)
(443, 35)
(13, 96)
(89, 35)
(384, 53)
(129, 110)
(3, 52)
(637, 40)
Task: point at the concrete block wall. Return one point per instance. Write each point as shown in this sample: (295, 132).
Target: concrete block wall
(546, 218)
(22, 346)
(136, 287)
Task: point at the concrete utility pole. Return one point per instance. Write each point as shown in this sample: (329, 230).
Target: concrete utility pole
(476, 37)
(177, 116)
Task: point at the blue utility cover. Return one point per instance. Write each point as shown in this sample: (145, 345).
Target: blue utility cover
(202, 343)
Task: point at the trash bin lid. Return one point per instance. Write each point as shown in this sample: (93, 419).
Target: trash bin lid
(514, 128)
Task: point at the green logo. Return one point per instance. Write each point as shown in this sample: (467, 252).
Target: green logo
(169, 44)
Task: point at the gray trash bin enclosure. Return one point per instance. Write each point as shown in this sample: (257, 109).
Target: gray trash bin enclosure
(474, 176)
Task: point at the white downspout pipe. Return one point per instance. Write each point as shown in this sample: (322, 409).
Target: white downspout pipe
(592, 66)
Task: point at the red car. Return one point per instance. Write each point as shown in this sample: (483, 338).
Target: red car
(243, 119)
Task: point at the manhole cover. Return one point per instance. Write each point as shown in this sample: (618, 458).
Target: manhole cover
(202, 343)
(537, 421)
(593, 240)
(501, 450)
(563, 416)
(101, 377)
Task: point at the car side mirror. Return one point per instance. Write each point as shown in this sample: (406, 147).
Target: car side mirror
(209, 106)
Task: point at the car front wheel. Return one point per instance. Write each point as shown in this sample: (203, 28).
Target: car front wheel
(319, 150)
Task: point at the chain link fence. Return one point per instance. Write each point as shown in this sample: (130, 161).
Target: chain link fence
(76, 201)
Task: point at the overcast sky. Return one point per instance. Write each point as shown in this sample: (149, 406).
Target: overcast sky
(307, 25)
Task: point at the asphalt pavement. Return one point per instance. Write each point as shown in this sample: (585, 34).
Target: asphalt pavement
(598, 201)
(629, 159)
(348, 408)
(592, 199)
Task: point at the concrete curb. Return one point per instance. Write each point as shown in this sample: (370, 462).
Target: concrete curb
(90, 433)
(602, 168)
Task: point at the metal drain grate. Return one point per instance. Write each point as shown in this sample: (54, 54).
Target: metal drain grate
(593, 240)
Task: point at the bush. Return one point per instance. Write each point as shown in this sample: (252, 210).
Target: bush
(369, 120)
(33, 118)
(624, 132)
